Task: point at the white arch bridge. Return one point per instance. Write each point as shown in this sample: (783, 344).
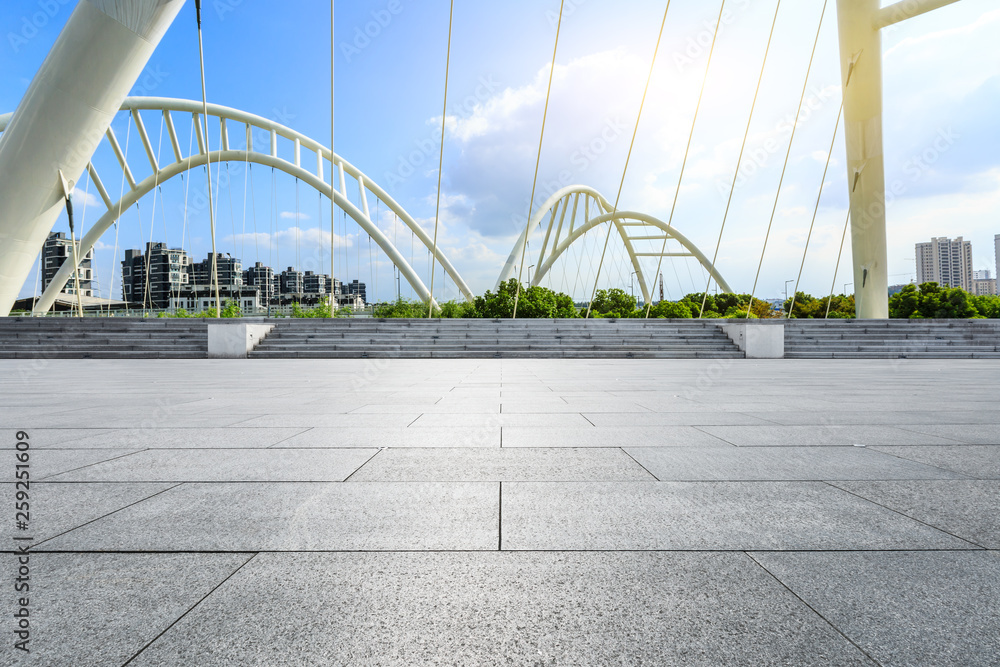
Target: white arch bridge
(571, 212)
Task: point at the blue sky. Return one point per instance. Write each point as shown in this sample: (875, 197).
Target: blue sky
(942, 79)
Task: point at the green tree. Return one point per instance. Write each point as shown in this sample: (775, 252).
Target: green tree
(534, 302)
(614, 302)
(671, 310)
(931, 301)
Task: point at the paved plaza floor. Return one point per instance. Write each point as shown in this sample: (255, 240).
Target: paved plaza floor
(497, 512)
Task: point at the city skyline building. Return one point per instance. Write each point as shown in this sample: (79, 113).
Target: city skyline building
(946, 262)
(55, 252)
(150, 278)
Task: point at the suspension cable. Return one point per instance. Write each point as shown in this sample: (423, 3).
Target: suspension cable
(836, 271)
(687, 152)
(819, 197)
(333, 163)
(208, 164)
(444, 122)
(187, 190)
(152, 220)
(739, 160)
(784, 169)
(121, 197)
(538, 159)
(628, 158)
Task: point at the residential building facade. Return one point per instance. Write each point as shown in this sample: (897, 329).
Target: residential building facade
(150, 278)
(57, 250)
(946, 262)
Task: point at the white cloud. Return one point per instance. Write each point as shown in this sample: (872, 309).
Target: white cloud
(83, 199)
(292, 215)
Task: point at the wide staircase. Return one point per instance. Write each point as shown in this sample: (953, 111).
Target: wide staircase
(892, 339)
(102, 338)
(577, 339)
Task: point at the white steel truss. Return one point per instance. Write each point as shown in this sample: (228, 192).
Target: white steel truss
(577, 209)
(251, 126)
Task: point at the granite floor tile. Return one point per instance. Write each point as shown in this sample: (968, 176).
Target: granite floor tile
(622, 436)
(780, 464)
(969, 509)
(226, 465)
(937, 608)
(705, 515)
(502, 608)
(187, 438)
(300, 517)
(445, 436)
(811, 436)
(56, 508)
(975, 461)
(501, 465)
(102, 609)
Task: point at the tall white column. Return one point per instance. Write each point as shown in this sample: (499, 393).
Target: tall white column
(861, 65)
(62, 118)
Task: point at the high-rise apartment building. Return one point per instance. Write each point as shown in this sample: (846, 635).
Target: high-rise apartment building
(58, 249)
(996, 250)
(150, 278)
(291, 282)
(946, 262)
(263, 278)
(229, 269)
(356, 288)
(314, 283)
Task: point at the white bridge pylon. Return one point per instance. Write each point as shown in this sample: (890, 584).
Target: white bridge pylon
(250, 126)
(570, 210)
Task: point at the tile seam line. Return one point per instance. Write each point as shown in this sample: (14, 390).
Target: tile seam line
(89, 465)
(192, 608)
(105, 516)
(961, 475)
(369, 460)
(909, 428)
(303, 432)
(904, 514)
(813, 609)
(700, 429)
(734, 550)
(648, 471)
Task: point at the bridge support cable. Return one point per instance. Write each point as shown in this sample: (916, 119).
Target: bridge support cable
(819, 198)
(739, 160)
(687, 151)
(121, 200)
(444, 122)
(208, 164)
(333, 159)
(836, 270)
(187, 192)
(628, 158)
(538, 159)
(147, 294)
(788, 154)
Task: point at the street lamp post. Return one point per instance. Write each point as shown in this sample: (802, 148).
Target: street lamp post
(529, 274)
(786, 295)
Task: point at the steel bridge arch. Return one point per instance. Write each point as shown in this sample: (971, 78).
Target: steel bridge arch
(559, 205)
(252, 124)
